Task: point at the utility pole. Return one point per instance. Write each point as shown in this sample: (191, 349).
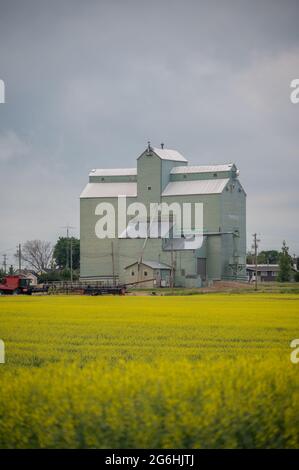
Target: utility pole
(255, 247)
(19, 255)
(4, 263)
(20, 258)
(69, 247)
(71, 260)
(113, 270)
(172, 267)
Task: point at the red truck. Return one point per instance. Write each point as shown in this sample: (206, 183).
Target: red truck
(15, 284)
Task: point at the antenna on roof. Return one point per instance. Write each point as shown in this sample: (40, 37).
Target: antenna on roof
(149, 149)
(162, 145)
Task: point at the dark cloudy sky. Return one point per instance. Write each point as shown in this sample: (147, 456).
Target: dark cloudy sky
(89, 82)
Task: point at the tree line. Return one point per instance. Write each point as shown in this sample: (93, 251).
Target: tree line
(284, 260)
(54, 262)
(50, 262)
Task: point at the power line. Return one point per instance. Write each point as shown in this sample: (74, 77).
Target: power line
(7, 249)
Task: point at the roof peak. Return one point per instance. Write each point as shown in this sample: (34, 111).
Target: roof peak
(169, 154)
(164, 153)
(151, 264)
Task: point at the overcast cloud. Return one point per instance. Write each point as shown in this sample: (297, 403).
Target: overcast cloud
(88, 83)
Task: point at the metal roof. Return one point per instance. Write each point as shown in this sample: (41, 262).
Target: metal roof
(168, 154)
(151, 264)
(201, 168)
(181, 188)
(263, 267)
(109, 190)
(113, 172)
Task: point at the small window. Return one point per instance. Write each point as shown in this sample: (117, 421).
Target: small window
(185, 176)
(215, 175)
(102, 179)
(145, 273)
(133, 273)
(149, 188)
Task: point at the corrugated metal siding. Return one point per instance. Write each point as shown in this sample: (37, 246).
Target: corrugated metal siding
(113, 172)
(168, 154)
(109, 190)
(180, 188)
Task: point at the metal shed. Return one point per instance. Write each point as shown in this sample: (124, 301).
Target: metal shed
(148, 274)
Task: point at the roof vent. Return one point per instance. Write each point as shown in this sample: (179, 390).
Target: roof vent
(162, 145)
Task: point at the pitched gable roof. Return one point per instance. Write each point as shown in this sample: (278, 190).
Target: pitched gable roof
(165, 154)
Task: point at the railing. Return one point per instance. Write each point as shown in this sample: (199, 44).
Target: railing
(73, 287)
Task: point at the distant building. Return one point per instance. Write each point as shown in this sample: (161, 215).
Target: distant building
(265, 272)
(29, 275)
(163, 175)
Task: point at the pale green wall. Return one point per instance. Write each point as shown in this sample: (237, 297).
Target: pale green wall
(222, 212)
(200, 176)
(167, 165)
(112, 179)
(233, 210)
(149, 174)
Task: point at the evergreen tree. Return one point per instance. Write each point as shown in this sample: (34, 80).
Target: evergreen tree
(62, 252)
(285, 264)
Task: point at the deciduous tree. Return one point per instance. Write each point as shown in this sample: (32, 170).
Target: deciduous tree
(37, 254)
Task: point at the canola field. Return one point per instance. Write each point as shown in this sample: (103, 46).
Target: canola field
(205, 371)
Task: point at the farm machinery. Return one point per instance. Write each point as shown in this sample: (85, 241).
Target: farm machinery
(15, 284)
(104, 290)
(18, 284)
(120, 289)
